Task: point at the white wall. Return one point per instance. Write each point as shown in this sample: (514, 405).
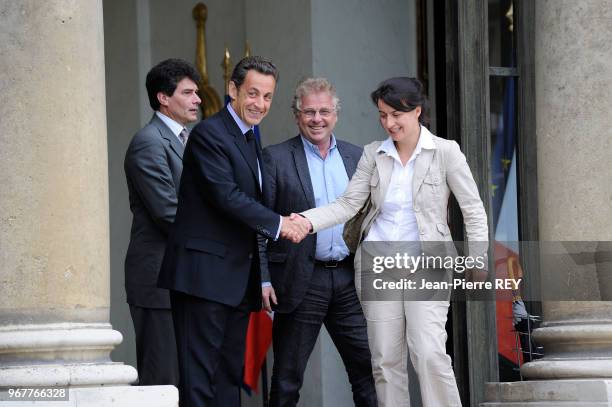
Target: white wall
(281, 31)
(354, 43)
(358, 44)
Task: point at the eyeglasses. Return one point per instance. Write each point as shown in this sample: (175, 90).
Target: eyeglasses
(311, 113)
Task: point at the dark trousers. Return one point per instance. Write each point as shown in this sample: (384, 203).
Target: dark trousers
(210, 342)
(331, 299)
(156, 357)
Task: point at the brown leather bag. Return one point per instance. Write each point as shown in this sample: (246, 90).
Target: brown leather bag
(352, 228)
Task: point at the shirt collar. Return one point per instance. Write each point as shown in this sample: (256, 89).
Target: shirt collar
(425, 141)
(242, 125)
(315, 149)
(174, 126)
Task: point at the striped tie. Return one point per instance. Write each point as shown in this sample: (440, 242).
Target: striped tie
(184, 136)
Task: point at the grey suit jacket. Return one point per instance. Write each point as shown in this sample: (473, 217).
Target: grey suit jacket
(289, 189)
(153, 165)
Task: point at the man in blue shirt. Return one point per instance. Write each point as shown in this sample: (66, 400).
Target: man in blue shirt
(312, 283)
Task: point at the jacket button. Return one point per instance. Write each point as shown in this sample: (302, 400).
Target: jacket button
(250, 256)
(416, 209)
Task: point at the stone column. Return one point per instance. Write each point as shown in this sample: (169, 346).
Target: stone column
(573, 105)
(54, 225)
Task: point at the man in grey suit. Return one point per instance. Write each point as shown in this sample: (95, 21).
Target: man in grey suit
(312, 283)
(153, 166)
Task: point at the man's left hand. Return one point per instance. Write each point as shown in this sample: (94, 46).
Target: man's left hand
(268, 297)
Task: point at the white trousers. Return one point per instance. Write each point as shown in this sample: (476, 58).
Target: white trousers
(418, 327)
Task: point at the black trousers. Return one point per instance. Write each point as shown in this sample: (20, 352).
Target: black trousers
(331, 299)
(210, 342)
(156, 357)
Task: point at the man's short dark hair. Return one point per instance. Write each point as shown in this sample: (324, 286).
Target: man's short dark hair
(256, 63)
(164, 77)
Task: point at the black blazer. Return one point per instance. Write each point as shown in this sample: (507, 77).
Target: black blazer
(213, 244)
(153, 165)
(289, 189)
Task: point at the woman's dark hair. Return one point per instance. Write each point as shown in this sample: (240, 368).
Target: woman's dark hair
(404, 94)
(256, 63)
(164, 77)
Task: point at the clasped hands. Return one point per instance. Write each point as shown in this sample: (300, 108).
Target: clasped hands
(295, 228)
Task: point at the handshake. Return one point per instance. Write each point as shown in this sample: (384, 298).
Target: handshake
(295, 228)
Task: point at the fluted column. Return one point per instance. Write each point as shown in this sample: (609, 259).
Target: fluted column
(54, 250)
(573, 104)
(54, 225)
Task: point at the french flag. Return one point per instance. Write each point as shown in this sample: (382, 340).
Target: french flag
(258, 341)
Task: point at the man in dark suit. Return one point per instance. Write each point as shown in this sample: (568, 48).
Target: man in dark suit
(211, 263)
(153, 165)
(313, 282)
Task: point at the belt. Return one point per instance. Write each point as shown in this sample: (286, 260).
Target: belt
(330, 264)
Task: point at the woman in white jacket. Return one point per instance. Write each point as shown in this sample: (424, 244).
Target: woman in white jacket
(408, 178)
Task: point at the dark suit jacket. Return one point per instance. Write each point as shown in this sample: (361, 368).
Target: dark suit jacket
(289, 189)
(213, 244)
(153, 165)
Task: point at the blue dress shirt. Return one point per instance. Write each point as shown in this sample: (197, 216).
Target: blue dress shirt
(329, 180)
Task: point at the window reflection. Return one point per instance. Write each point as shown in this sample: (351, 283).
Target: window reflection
(505, 218)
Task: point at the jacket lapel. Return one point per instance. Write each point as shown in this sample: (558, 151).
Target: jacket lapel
(384, 165)
(349, 163)
(421, 165)
(166, 133)
(240, 141)
(301, 164)
(246, 152)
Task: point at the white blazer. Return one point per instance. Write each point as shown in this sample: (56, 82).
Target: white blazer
(437, 173)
